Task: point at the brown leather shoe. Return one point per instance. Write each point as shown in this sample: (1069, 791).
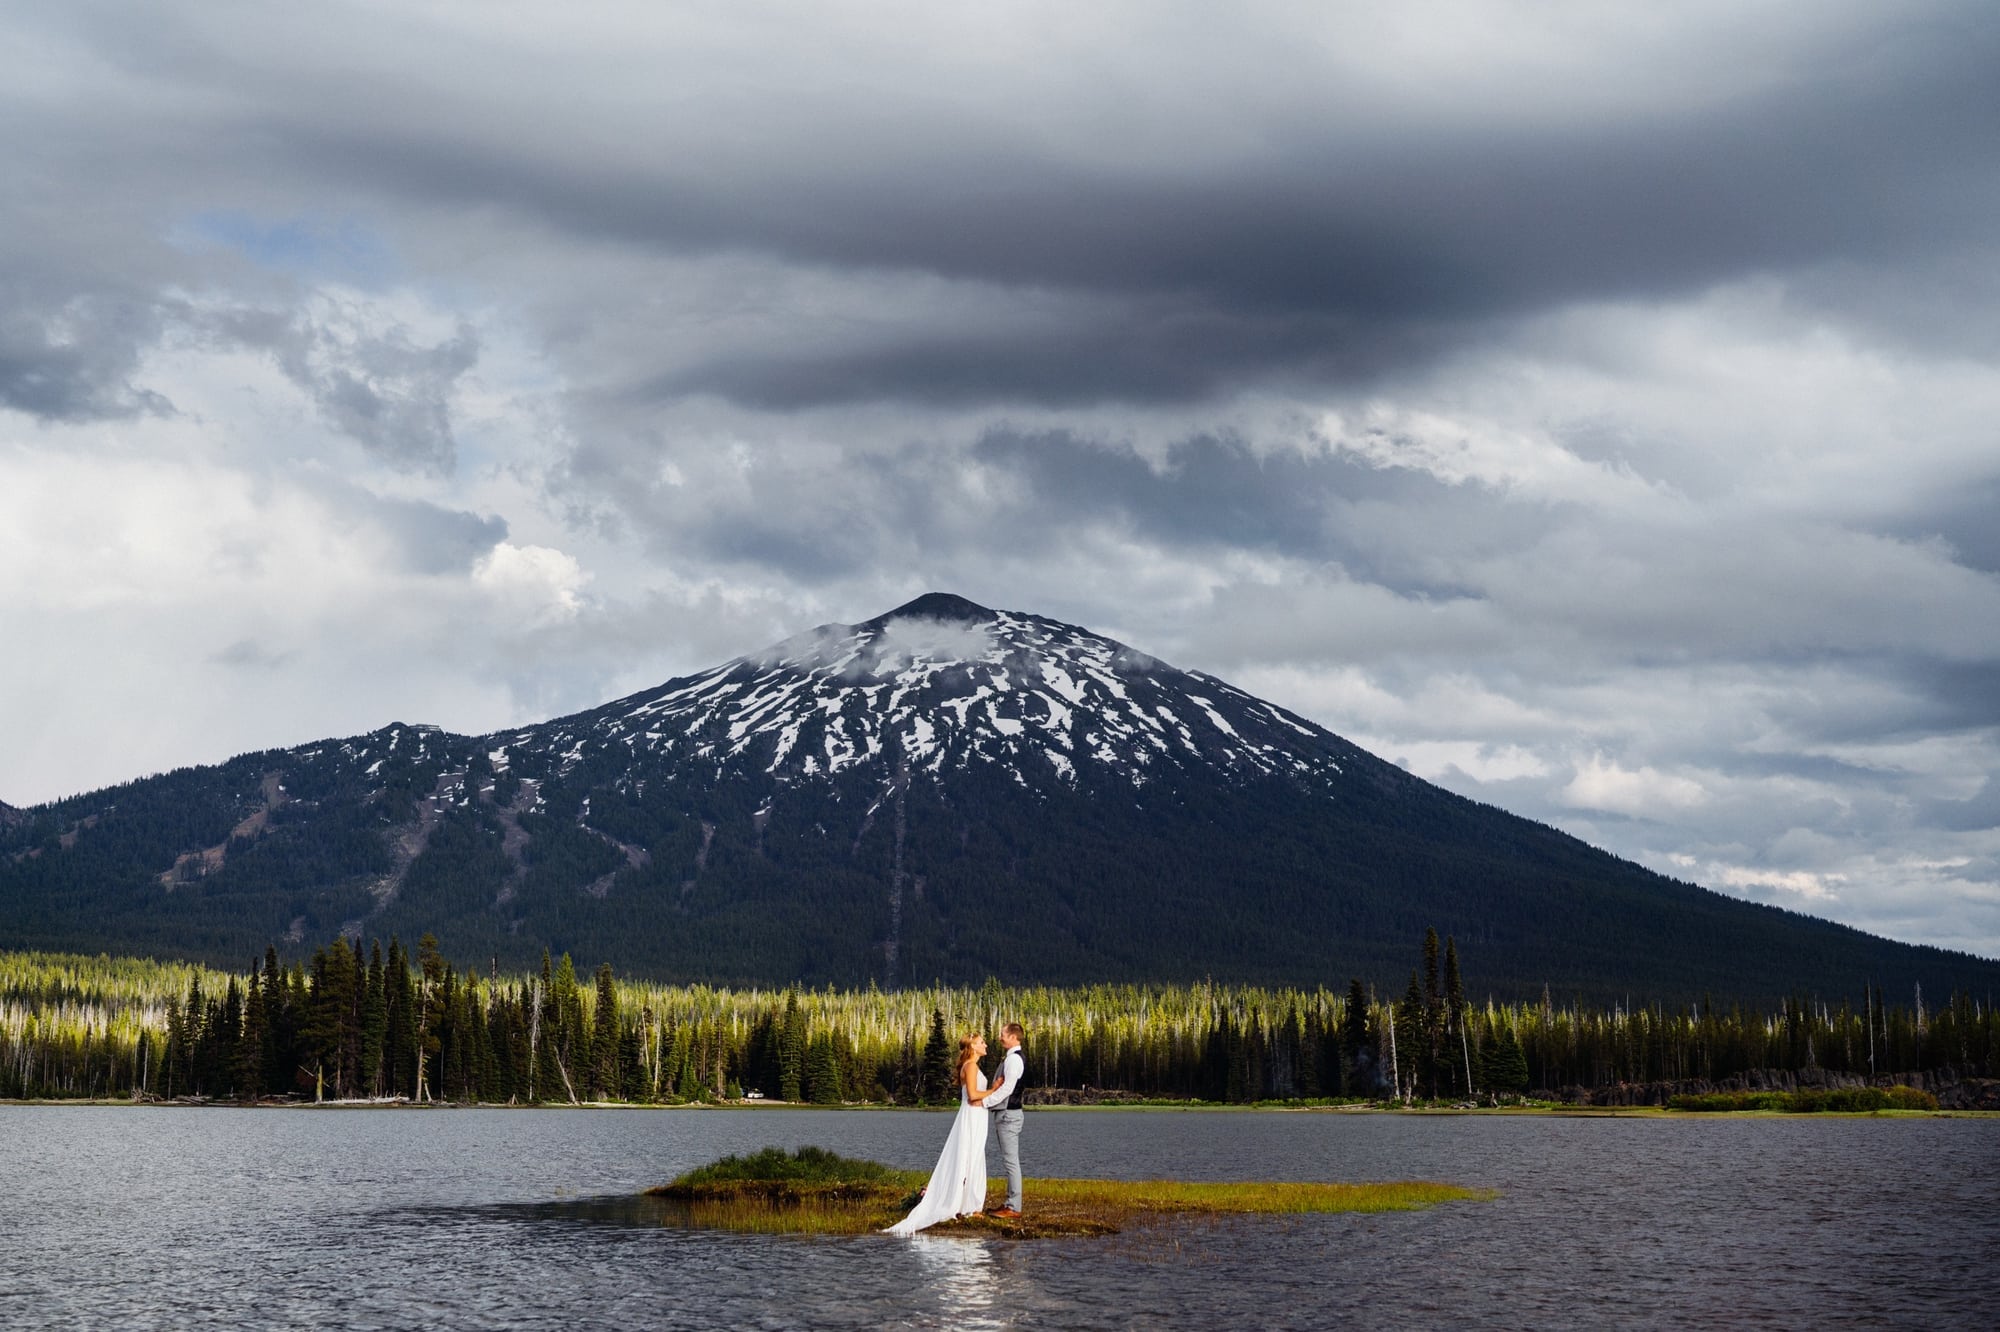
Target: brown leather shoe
(1005, 1214)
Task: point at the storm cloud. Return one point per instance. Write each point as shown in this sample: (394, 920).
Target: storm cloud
(1593, 410)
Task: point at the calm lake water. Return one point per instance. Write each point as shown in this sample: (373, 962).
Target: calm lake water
(141, 1217)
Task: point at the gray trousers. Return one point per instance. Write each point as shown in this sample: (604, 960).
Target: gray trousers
(1007, 1127)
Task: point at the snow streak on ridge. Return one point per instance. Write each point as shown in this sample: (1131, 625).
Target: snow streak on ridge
(912, 693)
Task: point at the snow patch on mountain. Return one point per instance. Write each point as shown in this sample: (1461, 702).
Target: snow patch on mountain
(944, 684)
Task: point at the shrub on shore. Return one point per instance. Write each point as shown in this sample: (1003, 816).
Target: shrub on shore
(1842, 1100)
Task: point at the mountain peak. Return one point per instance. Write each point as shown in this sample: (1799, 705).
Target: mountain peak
(939, 606)
(942, 684)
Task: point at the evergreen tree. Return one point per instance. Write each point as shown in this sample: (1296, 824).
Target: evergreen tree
(430, 1012)
(764, 1064)
(545, 1075)
(277, 1052)
(250, 1046)
(1292, 1072)
(631, 1085)
(353, 1013)
(374, 1025)
(193, 1015)
(822, 1071)
(1360, 1077)
(1510, 1063)
(1457, 1055)
(399, 1044)
(606, 1079)
(225, 1036)
(1425, 1072)
(1487, 1067)
(298, 1007)
(792, 1052)
(571, 1045)
(172, 1083)
(937, 1062)
(1409, 1032)
(1236, 1087)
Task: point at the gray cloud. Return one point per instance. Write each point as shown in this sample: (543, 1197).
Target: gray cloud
(383, 389)
(1347, 233)
(71, 356)
(1594, 410)
(423, 537)
(250, 654)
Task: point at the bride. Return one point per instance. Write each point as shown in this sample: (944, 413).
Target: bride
(958, 1185)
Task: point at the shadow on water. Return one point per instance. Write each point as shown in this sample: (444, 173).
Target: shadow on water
(636, 1211)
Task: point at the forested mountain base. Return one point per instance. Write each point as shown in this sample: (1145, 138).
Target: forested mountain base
(341, 1025)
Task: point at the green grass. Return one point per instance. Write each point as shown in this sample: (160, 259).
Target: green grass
(1250, 1197)
(813, 1191)
(1847, 1100)
(807, 1165)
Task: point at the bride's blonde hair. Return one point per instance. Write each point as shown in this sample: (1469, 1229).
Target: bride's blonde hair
(965, 1054)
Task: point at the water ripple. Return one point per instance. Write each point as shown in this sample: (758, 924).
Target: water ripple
(276, 1219)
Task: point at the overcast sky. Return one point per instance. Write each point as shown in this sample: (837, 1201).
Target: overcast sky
(1595, 408)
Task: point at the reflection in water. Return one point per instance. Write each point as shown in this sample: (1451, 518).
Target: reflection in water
(626, 1211)
(959, 1274)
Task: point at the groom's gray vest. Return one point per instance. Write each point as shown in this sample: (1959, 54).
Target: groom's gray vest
(1020, 1083)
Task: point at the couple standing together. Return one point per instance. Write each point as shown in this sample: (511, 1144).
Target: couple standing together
(958, 1185)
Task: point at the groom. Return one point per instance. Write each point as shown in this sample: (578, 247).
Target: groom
(1007, 1119)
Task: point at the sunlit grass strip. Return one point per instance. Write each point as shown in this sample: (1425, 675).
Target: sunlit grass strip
(815, 1192)
(1266, 1198)
(809, 1216)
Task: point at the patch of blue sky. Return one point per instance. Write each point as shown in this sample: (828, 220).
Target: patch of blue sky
(310, 246)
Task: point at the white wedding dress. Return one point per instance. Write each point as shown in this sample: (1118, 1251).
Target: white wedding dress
(958, 1185)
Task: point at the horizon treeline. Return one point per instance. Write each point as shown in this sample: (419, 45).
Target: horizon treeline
(389, 1023)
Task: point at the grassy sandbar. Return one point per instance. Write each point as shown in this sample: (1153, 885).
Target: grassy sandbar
(815, 1192)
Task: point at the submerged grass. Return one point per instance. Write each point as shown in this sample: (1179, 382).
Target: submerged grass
(813, 1191)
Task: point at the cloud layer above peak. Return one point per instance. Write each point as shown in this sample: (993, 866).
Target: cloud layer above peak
(1591, 408)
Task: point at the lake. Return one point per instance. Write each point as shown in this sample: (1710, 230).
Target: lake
(167, 1217)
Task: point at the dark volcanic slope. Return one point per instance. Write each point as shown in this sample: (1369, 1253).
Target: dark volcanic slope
(945, 791)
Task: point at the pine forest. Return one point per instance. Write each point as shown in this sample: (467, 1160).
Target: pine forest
(391, 1023)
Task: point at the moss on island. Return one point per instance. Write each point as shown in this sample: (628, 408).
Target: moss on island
(814, 1191)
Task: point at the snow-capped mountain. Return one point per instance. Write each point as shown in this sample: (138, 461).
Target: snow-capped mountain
(941, 684)
(940, 792)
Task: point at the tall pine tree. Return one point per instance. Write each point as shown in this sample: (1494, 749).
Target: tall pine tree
(938, 1071)
(605, 1080)
(792, 1051)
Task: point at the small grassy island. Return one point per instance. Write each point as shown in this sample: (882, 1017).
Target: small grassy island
(814, 1191)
